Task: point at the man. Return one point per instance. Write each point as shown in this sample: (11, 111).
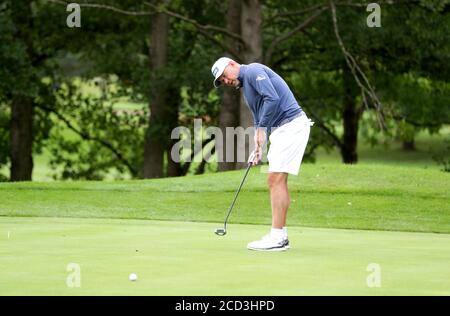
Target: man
(274, 109)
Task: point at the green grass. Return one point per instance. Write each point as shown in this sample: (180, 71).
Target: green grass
(387, 209)
(364, 196)
(391, 154)
(427, 146)
(180, 258)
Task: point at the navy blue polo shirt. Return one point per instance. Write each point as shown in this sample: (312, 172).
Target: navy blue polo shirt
(267, 95)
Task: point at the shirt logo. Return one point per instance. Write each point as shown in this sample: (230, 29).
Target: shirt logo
(259, 78)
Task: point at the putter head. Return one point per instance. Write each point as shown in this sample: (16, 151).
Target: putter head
(221, 232)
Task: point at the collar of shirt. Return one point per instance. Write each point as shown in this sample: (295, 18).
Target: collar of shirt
(241, 76)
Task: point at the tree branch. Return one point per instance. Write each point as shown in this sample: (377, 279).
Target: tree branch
(204, 29)
(287, 35)
(327, 130)
(366, 88)
(201, 167)
(347, 3)
(234, 53)
(417, 124)
(322, 125)
(106, 7)
(195, 23)
(299, 12)
(187, 165)
(86, 136)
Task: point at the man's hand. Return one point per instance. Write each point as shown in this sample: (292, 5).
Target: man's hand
(255, 156)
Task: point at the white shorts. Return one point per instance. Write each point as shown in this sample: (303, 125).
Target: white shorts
(287, 145)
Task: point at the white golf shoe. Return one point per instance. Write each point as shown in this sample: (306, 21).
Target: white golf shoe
(268, 243)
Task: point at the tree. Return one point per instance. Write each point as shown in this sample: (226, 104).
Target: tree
(161, 51)
(90, 137)
(157, 132)
(21, 137)
(158, 65)
(25, 60)
(231, 98)
(362, 58)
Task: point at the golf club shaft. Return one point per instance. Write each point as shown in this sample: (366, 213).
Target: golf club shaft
(236, 195)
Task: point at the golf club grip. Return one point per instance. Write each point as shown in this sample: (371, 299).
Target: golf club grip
(237, 193)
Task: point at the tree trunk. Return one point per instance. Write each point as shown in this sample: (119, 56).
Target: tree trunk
(251, 25)
(21, 139)
(153, 154)
(21, 126)
(155, 144)
(351, 116)
(229, 111)
(229, 117)
(174, 169)
(409, 145)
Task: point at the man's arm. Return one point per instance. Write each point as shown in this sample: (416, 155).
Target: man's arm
(260, 139)
(264, 87)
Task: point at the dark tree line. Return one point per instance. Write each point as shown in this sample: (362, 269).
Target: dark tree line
(161, 51)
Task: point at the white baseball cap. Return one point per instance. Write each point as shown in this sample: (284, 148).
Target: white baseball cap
(218, 69)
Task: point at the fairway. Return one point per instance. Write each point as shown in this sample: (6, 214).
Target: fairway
(211, 149)
(186, 258)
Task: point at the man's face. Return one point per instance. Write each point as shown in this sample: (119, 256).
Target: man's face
(230, 76)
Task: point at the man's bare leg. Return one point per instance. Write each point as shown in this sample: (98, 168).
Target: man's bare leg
(279, 197)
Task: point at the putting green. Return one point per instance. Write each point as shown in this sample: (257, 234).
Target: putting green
(186, 258)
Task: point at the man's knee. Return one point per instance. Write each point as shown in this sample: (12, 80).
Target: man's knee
(276, 179)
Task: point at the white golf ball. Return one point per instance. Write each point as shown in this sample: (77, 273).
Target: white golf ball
(132, 277)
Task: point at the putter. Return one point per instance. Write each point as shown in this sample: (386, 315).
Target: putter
(223, 231)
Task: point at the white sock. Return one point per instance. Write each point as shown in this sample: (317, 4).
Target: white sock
(285, 236)
(277, 233)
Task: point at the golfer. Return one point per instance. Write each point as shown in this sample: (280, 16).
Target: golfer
(276, 112)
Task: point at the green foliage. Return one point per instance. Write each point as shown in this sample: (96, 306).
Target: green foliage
(16, 69)
(101, 131)
(194, 104)
(420, 99)
(319, 95)
(435, 6)
(407, 63)
(443, 159)
(4, 134)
